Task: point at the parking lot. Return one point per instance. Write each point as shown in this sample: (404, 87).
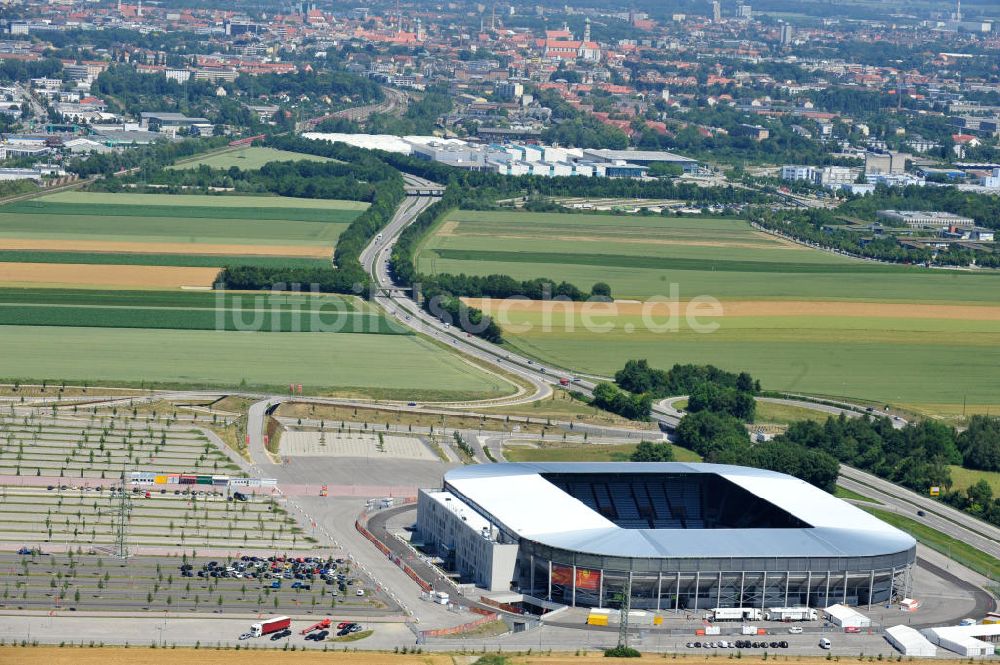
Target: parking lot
(287, 584)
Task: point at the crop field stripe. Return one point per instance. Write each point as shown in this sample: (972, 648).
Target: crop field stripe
(152, 259)
(207, 200)
(179, 299)
(623, 261)
(40, 207)
(398, 365)
(264, 320)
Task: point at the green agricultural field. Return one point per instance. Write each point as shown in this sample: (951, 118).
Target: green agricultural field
(189, 310)
(147, 259)
(944, 323)
(198, 200)
(403, 367)
(164, 218)
(247, 159)
(939, 366)
(641, 257)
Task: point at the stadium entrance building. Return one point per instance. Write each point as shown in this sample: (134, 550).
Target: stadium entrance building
(687, 536)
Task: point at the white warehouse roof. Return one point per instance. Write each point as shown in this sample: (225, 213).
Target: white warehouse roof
(519, 498)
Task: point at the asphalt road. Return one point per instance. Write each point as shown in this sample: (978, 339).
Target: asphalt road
(940, 516)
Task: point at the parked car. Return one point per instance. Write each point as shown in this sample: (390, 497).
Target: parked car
(795, 630)
(246, 636)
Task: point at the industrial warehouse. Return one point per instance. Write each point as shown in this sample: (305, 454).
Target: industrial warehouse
(680, 536)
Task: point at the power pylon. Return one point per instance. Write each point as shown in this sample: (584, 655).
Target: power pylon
(121, 516)
(625, 606)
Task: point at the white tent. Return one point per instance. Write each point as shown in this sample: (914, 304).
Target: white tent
(910, 642)
(968, 641)
(847, 617)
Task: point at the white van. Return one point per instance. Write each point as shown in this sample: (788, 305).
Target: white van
(824, 643)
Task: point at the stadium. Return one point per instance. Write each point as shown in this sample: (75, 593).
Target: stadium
(684, 536)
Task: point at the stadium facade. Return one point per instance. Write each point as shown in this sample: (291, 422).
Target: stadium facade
(684, 536)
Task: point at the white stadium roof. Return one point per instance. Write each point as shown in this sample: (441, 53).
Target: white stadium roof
(519, 498)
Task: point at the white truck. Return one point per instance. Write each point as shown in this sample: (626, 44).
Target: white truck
(791, 614)
(734, 614)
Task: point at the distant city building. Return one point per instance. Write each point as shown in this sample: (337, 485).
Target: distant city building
(923, 219)
(509, 90)
(793, 173)
(756, 132)
(835, 176)
(716, 11)
(787, 34)
(884, 163)
(744, 12)
(158, 121)
(179, 75)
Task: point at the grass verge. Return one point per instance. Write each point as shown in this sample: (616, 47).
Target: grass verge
(844, 493)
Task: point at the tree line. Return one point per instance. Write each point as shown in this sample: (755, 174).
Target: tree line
(149, 160)
(350, 276)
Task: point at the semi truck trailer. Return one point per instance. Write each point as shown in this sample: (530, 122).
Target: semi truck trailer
(270, 626)
(791, 614)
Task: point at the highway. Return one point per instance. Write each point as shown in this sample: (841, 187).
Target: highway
(938, 515)
(375, 259)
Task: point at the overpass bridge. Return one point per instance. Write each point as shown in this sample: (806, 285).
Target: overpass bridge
(425, 191)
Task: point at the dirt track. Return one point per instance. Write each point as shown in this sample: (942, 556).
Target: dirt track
(304, 251)
(769, 308)
(84, 275)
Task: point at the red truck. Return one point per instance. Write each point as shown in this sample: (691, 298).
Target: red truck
(270, 626)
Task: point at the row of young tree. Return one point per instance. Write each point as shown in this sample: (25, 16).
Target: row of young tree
(824, 228)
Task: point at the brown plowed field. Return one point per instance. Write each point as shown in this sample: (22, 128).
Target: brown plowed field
(86, 275)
